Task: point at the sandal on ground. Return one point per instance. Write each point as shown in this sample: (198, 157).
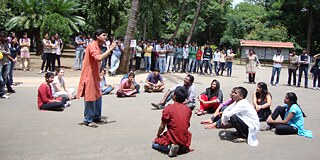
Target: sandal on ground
(92, 124)
(200, 113)
(101, 120)
(239, 140)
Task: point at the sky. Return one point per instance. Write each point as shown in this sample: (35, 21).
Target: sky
(235, 2)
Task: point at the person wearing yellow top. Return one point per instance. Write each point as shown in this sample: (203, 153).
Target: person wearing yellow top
(147, 56)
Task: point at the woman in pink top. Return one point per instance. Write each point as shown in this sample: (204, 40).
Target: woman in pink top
(127, 88)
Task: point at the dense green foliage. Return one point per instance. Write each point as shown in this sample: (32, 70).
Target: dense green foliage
(55, 23)
(218, 22)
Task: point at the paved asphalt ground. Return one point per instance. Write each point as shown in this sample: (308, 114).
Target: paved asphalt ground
(27, 133)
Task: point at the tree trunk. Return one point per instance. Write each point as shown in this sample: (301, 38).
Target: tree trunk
(144, 28)
(126, 55)
(311, 24)
(180, 19)
(39, 48)
(195, 19)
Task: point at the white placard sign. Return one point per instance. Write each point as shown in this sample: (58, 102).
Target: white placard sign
(133, 43)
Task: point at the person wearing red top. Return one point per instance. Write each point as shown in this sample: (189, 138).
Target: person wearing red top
(199, 60)
(45, 98)
(176, 118)
(89, 86)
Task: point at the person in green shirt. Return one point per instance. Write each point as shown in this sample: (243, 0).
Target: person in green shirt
(192, 57)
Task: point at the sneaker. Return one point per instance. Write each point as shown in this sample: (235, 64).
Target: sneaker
(314, 88)
(173, 150)
(68, 104)
(318, 88)
(277, 85)
(40, 72)
(5, 97)
(157, 106)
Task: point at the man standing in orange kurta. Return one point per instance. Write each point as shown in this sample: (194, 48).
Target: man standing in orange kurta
(89, 87)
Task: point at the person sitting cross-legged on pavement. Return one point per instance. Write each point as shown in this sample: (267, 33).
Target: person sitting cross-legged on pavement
(45, 98)
(136, 85)
(126, 88)
(242, 116)
(188, 85)
(152, 82)
(59, 87)
(210, 99)
(292, 118)
(176, 118)
(105, 88)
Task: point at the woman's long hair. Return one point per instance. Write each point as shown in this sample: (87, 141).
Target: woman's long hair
(293, 99)
(217, 85)
(264, 91)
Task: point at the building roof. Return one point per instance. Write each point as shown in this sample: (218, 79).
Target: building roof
(252, 43)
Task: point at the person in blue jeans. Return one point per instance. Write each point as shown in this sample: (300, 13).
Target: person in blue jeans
(230, 59)
(115, 58)
(80, 44)
(105, 88)
(161, 50)
(277, 64)
(4, 65)
(178, 58)
(316, 72)
(304, 61)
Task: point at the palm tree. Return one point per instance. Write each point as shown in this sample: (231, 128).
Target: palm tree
(125, 57)
(33, 12)
(67, 9)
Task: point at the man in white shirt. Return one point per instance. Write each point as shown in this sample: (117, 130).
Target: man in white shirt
(277, 64)
(242, 116)
(216, 58)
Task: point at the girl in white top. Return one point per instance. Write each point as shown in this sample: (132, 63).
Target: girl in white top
(53, 53)
(59, 48)
(59, 87)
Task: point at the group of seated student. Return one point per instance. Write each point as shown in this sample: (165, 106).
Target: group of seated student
(291, 114)
(189, 87)
(46, 101)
